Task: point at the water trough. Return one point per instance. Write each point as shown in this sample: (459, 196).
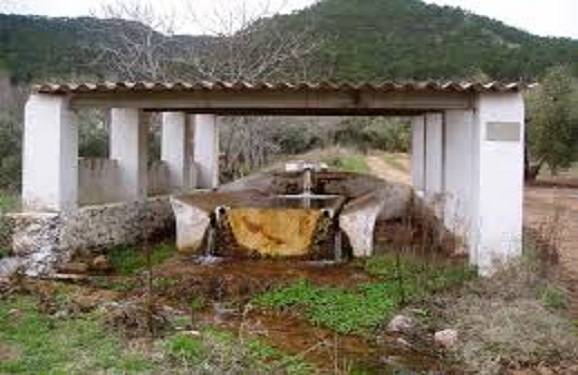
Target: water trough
(303, 212)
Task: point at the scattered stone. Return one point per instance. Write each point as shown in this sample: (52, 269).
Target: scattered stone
(222, 313)
(69, 277)
(543, 370)
(447, 339)
(78, 268)
(9, 266)
(401, 324)
(101, 264)
(403, 343)
(61, 314)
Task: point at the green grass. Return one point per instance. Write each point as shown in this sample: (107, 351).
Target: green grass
(60, 346)
(222, 352)
(128, 261)
(42, 344)
(8, 201)
(350, 163)
(554, 298)
(362, 308)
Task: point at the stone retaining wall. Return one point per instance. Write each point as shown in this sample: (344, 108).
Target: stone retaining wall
(41, 241)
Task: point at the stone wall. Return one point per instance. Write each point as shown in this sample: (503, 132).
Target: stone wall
(41, 241)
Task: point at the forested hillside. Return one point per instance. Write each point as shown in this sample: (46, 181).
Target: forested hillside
(354, 39)
(411, 39)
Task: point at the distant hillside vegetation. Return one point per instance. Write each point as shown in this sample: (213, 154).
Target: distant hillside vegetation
(410, 39)
(358, 39)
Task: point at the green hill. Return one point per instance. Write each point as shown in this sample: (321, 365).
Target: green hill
(358, 39)
(364, 39)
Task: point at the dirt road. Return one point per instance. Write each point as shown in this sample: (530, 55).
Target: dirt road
(396, 170)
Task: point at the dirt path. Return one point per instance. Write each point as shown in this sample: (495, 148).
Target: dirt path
(554, 212)
(396, 171)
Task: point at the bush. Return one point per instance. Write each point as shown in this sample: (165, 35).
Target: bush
(374, 133)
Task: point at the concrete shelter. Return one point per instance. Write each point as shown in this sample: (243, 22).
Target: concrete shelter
(467, 156)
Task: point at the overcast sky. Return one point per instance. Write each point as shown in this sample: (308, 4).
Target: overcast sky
(543, 17)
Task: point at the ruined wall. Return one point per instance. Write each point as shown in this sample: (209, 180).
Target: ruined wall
(99, 179)
(41, 241)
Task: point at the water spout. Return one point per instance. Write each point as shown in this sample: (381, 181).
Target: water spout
(210, 245)
(307, 179)
(338, 246)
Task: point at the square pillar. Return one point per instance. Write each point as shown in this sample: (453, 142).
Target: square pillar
(176, 150)
(207, 151)
(50, 155)
(498, 179)
(418, 153)
(434, 159)
(458, 177)
(129, 147)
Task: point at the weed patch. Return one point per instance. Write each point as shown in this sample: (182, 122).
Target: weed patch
(514, 319)
(364, 307)
(8, 202)
(128, 261)
(72, 346)
(350, 163)
(223, 353)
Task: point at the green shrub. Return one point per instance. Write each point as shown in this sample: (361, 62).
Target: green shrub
(554, 298)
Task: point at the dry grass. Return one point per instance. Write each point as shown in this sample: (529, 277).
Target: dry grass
(509, 321)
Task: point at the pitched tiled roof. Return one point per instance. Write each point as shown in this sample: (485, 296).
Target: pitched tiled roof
(389, 86)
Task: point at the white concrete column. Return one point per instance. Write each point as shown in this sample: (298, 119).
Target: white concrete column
(50, 156)
(129, 147)
(458, 200)
(434, 161)
(207, 151)
(418, 153)
(176, 150)
(498, 179)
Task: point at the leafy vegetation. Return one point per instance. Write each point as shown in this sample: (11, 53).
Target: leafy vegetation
(362, 308)
(553, 129)
(378, 133)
